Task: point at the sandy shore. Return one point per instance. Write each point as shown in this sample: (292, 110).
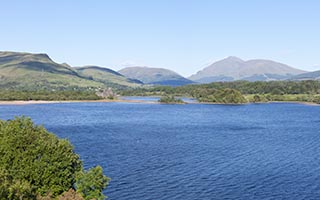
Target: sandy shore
(70, 101)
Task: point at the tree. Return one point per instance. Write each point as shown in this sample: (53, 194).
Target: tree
(14, 189)
(91, 183)
(35, 163)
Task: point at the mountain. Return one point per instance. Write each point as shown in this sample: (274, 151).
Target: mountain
(107, 76)
(307, 76)
(155, 76)
(233, 68)
(38, 71)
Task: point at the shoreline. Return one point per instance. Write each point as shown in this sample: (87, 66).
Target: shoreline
(32, 102)
(269, 102)
(70, 101)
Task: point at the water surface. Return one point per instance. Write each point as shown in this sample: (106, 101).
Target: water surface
(193, 151)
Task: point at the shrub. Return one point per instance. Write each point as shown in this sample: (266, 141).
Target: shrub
(35, 162)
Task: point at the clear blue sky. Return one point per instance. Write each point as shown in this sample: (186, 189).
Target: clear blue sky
(182, 35)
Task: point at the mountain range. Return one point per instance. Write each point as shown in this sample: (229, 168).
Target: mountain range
(29, 71)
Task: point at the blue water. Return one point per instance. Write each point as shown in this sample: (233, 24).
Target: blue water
(193, 151)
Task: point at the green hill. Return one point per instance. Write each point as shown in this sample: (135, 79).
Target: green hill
(107, 76)
(37, 71)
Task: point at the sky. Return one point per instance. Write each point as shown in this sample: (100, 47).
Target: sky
(181, 35)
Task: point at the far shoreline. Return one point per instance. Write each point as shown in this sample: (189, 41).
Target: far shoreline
(32, 102)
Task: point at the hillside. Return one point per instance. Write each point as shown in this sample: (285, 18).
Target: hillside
(107, 76)
(37, 71)
(155, 76)
(233, 68)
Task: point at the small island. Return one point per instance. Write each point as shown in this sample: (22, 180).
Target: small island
(171, 100)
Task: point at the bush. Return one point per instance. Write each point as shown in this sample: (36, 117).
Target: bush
(90, 183)
(35, 162)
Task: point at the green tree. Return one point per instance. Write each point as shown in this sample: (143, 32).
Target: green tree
(14, 189)
(91, 183)
(30, 153)
(35, 163)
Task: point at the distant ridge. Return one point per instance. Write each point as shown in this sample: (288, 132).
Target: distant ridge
(155, 76)
(233, 68)
(307, 76)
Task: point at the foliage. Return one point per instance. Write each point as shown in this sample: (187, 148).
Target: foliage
(170, 99)
(70, 195)
(91, 183)
(30, 153)
(316, 99)
(258, 98)
(35, 163)
(245, 87)
(228, 96)
(14, 189)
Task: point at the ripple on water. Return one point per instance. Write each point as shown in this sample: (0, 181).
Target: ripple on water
(151, 151)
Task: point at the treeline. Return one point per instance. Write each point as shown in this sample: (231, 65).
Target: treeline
(245, 87)
(218, 92)
(224, 96)
(239, 91)
(11, 95)
(35, 164)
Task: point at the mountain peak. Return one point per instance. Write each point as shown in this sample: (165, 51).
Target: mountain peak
(233, 68)
(24, 57)
(234, 58)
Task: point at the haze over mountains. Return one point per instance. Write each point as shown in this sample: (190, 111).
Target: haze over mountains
(27, 70)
